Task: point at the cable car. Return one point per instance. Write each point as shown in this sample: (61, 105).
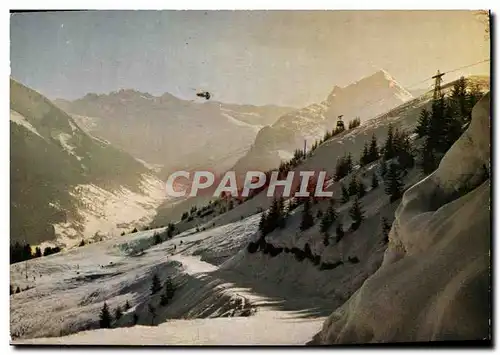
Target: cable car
(340, 123)
(204, 94)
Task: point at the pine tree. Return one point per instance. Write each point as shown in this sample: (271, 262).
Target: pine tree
(422, 128)
(438, 131)
(155, 285)
(27, 252)
(127, 306)
(405, 153)
(327, 220)
(38, 252)
(374, 181)
(82, 243)
(388, 147)
(279, 213)
(163, 300)
(356, 213)
(394, 184)
(339, 231)
(263, 224)
(349, 164)
(364, 159)
(353, 186)
(473, 97)
(343, 167)
(11, 290)
(169, 288)
(18, 290)
(345, 194)
(373, 153)
(361, 189)
(118, 313)
(307, 218)
(105, 317)
(157, 238)
(170, 230)
(458, 99)
(327, 136)
(135, 318)
(428, 159)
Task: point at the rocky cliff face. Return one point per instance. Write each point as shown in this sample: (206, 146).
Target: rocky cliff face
(367, 98)
(434, 281)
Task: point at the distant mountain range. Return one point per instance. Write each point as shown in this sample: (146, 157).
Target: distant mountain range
(170, 133)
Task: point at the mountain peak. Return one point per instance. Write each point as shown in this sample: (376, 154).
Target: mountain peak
(380, 83)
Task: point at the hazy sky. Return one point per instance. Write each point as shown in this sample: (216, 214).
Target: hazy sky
(255, 57)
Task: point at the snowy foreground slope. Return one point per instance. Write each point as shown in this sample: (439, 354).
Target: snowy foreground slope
(69, 290)
(434, 281)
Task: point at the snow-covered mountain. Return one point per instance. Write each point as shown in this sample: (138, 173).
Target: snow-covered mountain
(428, 281)
(366, 99)
(152, 128)
(65, 183)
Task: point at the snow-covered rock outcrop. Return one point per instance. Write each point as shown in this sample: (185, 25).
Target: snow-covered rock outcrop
(434, 281)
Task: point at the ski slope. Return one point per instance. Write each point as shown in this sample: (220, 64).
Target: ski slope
(70, 288)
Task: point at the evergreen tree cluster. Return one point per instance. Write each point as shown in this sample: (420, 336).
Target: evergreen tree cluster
(22, 252)
(327, 220)
(354, 123)
(106, 316)
(394, 182)
(157, 238)
(299, 155)
(168, 292)
(301, 255)
(398, 145)
(328, 135)
(370, 152)
(357, 214)
(345, 194)
(442, 124)
(343, 167)
(274, 218)
(355, 188)
(155, 284)
(170, 230)
(307, 217)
